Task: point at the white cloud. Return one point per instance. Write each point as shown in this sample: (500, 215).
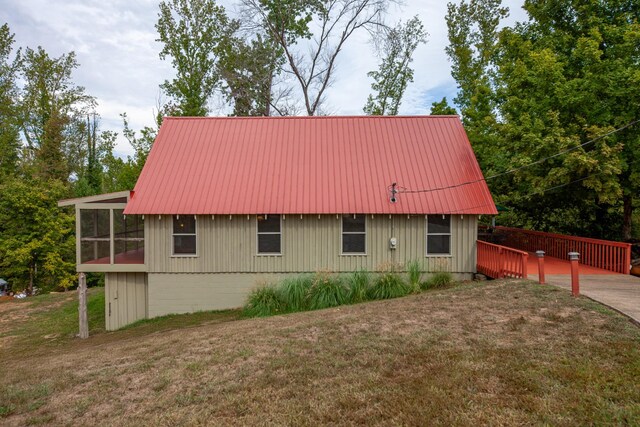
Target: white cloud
(119, 64)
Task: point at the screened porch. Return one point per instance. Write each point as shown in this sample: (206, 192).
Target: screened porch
(107, 239)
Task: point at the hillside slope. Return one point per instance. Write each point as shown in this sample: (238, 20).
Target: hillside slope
(502, 352)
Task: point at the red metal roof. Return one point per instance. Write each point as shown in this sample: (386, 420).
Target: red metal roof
(310, 165)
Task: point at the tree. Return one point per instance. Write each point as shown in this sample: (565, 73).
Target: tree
(312, 34)
(249, 68)
(565, 79)
(94, 156)
(122, 174)
(394, 73)
(561, 81)
(472, 29)
(37, 247)
(442, 108)
(193, 33)
(51, 104)
(9, 115)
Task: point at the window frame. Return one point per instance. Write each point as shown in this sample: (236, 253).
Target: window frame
(427, 234)
(258, 233)
(342, 233)
(173, 240)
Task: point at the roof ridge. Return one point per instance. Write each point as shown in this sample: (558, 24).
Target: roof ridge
(424, 116)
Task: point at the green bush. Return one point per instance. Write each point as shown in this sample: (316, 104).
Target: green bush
(326, 291)
(438, 280)
(388, 285)
(294, 292)
(358, 283)
(264, 301)
(414, 272)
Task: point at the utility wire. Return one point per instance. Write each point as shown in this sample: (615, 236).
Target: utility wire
(429, 190)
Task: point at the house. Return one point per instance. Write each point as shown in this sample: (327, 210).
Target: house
(225, 203)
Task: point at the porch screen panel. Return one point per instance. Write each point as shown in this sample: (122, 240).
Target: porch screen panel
(128, 238)
(95, 239)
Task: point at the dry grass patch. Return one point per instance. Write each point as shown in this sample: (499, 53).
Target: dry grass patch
(501, 353)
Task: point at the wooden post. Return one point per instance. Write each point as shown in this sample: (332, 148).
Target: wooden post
(82, 306)
(540, 255)
(626, 268)
(575, 284)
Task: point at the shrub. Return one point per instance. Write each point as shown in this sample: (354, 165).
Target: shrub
(264, 301)
(388, 285)
(294, 292)
(358, 286)
(438, 280)
(413, 268)
(326, 291)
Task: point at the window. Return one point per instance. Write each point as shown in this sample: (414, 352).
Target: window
(184, 235)
(438, 234)
(269, 234)
(354, 235)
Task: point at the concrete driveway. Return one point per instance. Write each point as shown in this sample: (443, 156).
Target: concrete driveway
(618, 291)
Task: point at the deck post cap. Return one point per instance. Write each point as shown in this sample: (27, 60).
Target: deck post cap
(540, 254)
(574, 256)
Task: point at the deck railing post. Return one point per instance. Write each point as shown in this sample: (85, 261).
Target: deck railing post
(540, 255)
(627, 260)
(501, 266)
(575, 284)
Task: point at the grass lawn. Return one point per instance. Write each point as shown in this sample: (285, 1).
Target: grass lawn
(499, 353)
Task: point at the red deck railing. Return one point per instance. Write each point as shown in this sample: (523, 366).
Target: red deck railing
(498, 261)
(605, 254)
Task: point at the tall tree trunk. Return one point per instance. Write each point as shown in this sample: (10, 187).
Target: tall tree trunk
(627, 213)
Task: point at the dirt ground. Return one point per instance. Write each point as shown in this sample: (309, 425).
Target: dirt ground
(499, 353)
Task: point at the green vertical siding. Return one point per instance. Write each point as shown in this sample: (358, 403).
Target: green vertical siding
(309, 243)
(126, 297)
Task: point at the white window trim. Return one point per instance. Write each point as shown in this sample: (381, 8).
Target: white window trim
(258, 233)
(427, 234)
(342, 233)
(175, 255)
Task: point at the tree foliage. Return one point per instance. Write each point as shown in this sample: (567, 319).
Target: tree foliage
(51, 106)
(394, 73)
(36, 238)
(554, 83)
(248, 68)
(193, 33)
(442, 108)
(9, 113)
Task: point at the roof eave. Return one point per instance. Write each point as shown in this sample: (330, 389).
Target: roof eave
(94, 199)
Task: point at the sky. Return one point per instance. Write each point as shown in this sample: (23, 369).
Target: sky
(116, 47)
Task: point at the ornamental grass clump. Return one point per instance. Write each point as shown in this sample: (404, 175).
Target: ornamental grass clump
(326, 291)
(358, 283)
(388, 285)
(414, 273)
(294, 292)
(438, 280)
(264, 301)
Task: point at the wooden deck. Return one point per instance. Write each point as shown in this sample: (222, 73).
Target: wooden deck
(554, 266)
